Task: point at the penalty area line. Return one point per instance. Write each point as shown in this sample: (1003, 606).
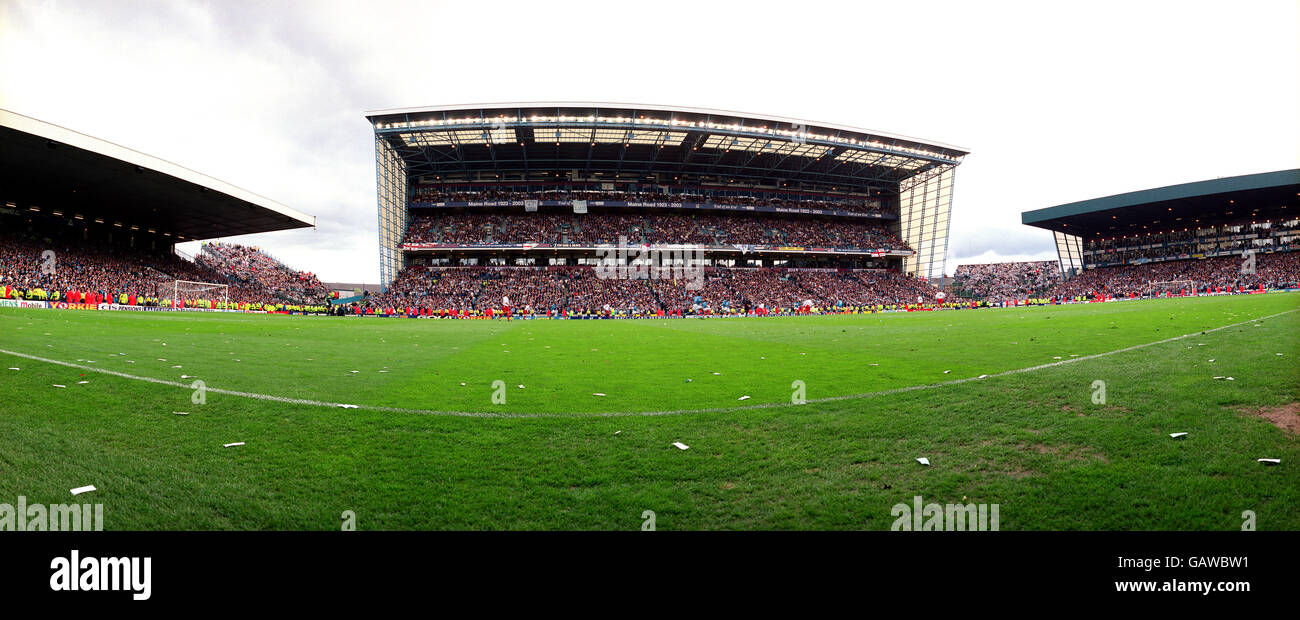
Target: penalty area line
(475, 414)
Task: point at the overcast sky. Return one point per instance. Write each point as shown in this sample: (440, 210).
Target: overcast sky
(1056, 101)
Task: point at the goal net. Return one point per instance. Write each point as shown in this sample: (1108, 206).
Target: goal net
(185, 290)
(1172, 287)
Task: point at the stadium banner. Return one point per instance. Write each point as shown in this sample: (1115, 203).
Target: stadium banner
(63, 305)
(641, 204)
(120, 307)
(22, 303)
(530, 206)
(132, 308)
(416, 247)
(580, 206)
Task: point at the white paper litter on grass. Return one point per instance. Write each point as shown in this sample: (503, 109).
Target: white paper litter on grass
(617, 432)
(177, 366)
(13, 369)
(1200, 344)
(924, 461)
(946, 371)
(1212, 359)
(873, 364)
(354, 371)
(597, 393)
(86, 489)
(746, 397)
(348, 406)
(681, 446)
(82, 382)
(1057, 357)
(1218, 377)
(185, 376)
(1229, 379)
(1270, 461)
(982, 376)
(1279, 355)
(1177, 435)
(231, 445)
(717, 373)
(181, 412)
(59, 386)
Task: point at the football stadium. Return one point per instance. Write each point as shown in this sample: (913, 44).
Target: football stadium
(590, 313)
(764, 214)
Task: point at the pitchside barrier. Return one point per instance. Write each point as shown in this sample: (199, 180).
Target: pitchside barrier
(63, 305)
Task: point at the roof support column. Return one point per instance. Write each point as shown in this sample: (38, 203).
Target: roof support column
(390, 179)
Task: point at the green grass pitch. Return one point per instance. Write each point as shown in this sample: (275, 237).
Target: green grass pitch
(552, 457)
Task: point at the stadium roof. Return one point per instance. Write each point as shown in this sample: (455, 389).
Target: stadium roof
(55, 169)
(1263, 196)
(618, 141)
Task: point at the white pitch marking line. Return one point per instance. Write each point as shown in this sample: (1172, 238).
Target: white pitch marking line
(472, 414)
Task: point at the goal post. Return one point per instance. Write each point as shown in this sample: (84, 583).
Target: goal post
(1158, 289)
(187, 290)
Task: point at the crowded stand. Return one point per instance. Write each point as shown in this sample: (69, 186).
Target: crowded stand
(1016, 280)
(101, 273)
(251, 265)
(710, 229)
(1186, 243)
(581, 291)
(1214, 275)
(430, 194)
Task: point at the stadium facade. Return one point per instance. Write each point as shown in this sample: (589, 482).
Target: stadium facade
(1232, 216)
(586, 161)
